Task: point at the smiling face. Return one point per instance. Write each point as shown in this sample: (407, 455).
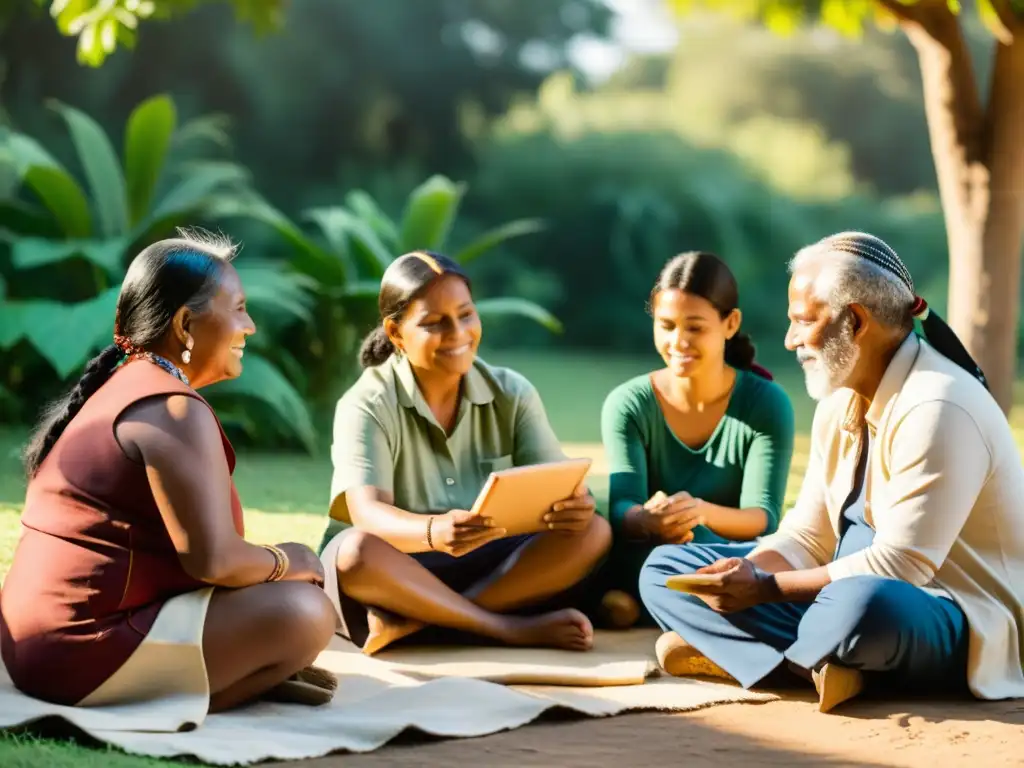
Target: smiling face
(689, 333)
(440, 330)
(824, 342)
(219, 333)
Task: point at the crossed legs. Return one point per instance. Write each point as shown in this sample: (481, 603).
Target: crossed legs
(257, 637)
(893, 632)
(376, 574)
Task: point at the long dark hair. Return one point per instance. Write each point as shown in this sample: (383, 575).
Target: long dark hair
(406, 278)
(163, 278)
(704, 274)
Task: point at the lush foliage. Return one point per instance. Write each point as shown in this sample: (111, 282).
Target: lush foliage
(344, 249)
(345, 90)
(623, 203)
(103, 25)
(846, 16)
(70, 243)
(740, 140)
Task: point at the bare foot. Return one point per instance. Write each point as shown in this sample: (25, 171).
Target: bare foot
(568, 629)
(385, 628)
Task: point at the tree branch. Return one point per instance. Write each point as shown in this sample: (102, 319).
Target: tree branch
(953, 105)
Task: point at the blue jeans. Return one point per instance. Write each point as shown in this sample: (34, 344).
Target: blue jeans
(896, 633)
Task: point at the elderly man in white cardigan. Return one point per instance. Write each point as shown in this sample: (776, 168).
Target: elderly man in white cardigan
(902, 562)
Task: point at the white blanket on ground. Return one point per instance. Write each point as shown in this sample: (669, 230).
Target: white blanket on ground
(450, 692)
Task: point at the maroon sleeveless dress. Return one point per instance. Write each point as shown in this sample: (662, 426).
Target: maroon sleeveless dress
(95, 563)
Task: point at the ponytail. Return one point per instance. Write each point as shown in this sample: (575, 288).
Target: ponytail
(376, 348)
(60, 413)
(741, 353)
(942, 338)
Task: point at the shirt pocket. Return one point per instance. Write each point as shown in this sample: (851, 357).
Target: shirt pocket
(495, 465)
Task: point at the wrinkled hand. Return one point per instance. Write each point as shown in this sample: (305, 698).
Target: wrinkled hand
(459, 532)
(671, 519)
(571, 515)
(303, 564)
(740, 585)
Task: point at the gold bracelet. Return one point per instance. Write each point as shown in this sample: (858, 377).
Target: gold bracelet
(430, 540)
(280, 562)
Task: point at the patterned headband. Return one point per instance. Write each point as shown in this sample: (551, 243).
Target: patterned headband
(881, 254)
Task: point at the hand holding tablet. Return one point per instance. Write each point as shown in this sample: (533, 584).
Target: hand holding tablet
(518, 500)
(460, 531)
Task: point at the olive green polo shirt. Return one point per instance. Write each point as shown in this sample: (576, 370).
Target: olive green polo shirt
(385, 436)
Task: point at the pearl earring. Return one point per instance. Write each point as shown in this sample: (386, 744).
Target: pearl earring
(186, 356)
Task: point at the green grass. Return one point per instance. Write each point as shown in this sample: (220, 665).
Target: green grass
(285, 495)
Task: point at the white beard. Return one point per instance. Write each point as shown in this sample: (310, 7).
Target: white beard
(828, 369)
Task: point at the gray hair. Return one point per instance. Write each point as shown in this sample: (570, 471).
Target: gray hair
(851, 274)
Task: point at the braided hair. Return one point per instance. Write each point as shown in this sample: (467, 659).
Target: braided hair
(163, 278)
(877, 252)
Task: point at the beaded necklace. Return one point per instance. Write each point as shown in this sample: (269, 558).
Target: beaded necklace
(158, 360)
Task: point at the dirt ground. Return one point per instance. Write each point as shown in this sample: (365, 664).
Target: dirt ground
(908, 734)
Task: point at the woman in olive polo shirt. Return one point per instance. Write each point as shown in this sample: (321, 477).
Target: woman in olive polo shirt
(414, 441)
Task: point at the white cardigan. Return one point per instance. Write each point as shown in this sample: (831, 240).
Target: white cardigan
(944, 492)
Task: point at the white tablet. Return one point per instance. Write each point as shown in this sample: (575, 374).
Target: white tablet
(518, 498)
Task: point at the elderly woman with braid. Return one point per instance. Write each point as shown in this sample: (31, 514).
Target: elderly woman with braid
(902, 564)
(132, 581)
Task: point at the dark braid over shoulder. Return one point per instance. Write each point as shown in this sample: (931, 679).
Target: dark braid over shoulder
(97, 372)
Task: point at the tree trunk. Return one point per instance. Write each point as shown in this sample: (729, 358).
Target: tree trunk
(979, 162)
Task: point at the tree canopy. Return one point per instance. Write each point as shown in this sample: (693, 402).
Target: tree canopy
(101, 26)
(846, 16)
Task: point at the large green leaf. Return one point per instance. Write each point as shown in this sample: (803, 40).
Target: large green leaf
(429, 214)
(512, 307)
(24, 151)
(102, 170)
(271, 289)
(262, 381)
(496, 237)
(12, 323)
(30, 252)
(360, 301)
(63, 197)
(366, 208)
(65, 335)
(307, 257)
(212, 129)
(10, 179)
(200, 182)
(22, 218)
(354, 240)
(333, 223)
(147, 139)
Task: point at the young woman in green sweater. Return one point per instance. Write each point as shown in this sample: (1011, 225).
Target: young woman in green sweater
(699, 450)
